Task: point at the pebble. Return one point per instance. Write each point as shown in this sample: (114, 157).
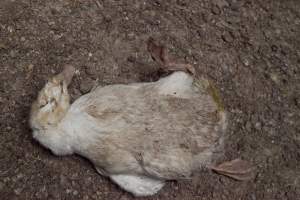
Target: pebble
(51, 23)
(248, 126)
(182, 2)
(12, 53)
(18, 191)
(86, 85)
(124, 197)
(107, 18)
(98, 193)
(274, 77)
(86, 197)
(7, 179)
(10, 29)
(73, 183)
(91, 70)
(207, 17)
(245, 60)
(30, 67)
(63, 180)
(57, 36)
(75, 94)
(131, 36)
(274, 48)
(221, 3)
(3, 46)
(258, 125)
(227, 37)
(68, 191)
(253, 197)
(216, 10)
(20, 176)
(75, 193)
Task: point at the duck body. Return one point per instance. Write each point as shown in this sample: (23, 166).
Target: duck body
(142, 134)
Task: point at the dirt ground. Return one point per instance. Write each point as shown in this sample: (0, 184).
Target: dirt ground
(249, 48)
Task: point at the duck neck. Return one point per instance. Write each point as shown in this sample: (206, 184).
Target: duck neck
(54, 139)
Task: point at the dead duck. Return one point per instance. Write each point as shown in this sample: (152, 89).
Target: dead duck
(142, 134)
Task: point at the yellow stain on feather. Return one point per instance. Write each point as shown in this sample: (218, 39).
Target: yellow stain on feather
(211, 90)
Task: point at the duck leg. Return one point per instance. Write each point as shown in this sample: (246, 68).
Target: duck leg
(159, 54)
(237, 169)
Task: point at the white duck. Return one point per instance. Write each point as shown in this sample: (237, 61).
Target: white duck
(142, 134)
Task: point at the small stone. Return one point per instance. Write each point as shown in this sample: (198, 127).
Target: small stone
(18, 191)
(216, 10)
(7, 179)
(75, 94)
(274, 77)
(123, 197)
(63, 180)
(12, 54)
(107, 18)
(86, 85)
(20, 176)
(206, 17)
(274, 48)
(10, 29)
(75, 192)
(131, 36)
(22, 39)
(221, 3)
(131, 59)
(68, 191)
(29, 68)
(258, 126)
(278, 31)
(227, 37)
(248, 126)
(91, 70)
(3, 46)
(57, 36)
(181, 2)
(245, 60)
(73, 183)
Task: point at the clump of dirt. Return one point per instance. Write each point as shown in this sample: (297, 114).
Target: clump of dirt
(250, 49)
